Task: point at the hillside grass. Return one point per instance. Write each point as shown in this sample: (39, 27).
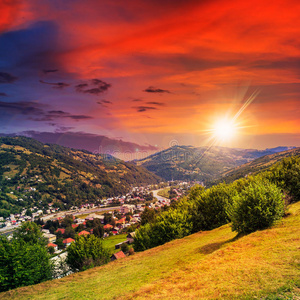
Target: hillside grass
(214, 264)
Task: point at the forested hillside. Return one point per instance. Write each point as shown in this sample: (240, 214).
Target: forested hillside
(35, 174)
(200, 163)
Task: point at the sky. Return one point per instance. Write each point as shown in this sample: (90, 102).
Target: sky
(150, 74)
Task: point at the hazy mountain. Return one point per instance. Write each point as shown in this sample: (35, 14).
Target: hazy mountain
(40, 174)
(98, 144)
(200, 163)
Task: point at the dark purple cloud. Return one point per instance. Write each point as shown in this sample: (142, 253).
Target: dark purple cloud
(152, 89)
(3, 94)
(7, 78)
(50, 71)
(80, 87)
(21, 108)
(58, 85)
(36, 112)
(155, 103)
(144, 108)
(94, 87)
(106, 101)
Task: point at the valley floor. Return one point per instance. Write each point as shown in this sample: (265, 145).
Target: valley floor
(206, 265)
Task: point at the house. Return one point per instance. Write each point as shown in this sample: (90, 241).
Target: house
(67, 242)
(121, 221)
(50, 237)
(126, 208)
(117, 255)
(83, 232)
(74, 226)
(130, 237)
(52, 245)
(108, 226)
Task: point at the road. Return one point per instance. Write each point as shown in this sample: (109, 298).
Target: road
(78, 212)
(160, 198)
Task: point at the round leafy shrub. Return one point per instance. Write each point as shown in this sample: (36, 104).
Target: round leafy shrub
(257, 207)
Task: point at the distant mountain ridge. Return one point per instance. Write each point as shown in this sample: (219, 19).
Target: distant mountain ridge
(40, 174)
(258, 165)
(200, 163)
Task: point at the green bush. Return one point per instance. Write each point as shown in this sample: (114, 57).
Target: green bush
(256, 207)
(209, 209)
(169, 225)
(87, 252)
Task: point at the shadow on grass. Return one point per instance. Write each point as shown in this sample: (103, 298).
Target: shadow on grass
(212, 247)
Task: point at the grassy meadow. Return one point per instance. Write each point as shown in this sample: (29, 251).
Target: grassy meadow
(213, 264)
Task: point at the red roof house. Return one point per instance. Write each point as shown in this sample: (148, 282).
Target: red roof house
(108, 226)
(52, 245)
(83, 232)
(68, 241)
(121, 221)
(118, 255)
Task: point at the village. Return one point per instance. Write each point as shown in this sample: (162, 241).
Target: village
(137, 199)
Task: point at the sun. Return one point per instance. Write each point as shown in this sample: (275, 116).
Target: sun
(224, 130)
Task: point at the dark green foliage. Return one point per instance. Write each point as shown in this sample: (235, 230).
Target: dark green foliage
(87, 252)
(24, 260)
(257, 207)
(98, 231)
(209, 209)
(286, 174)
(69, 232)
(169, 225)
(51, 250)
(124, 247)
(148, 215)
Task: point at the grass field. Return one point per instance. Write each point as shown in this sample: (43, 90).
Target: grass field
(206, 265)
(111, 241)
(164, 193)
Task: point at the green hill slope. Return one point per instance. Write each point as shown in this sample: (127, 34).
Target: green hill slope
(207, 265)
(39, 174)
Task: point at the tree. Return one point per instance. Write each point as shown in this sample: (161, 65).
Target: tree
(28, 212)
(87, 252)
(69, 232)
(148, 215)
(30, 232)
(98, 231)
(257, 207)
(125, 247)
(209, 210)
(51, 250)
(23, 262)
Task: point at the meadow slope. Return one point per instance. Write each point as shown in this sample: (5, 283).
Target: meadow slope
(207, 265)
